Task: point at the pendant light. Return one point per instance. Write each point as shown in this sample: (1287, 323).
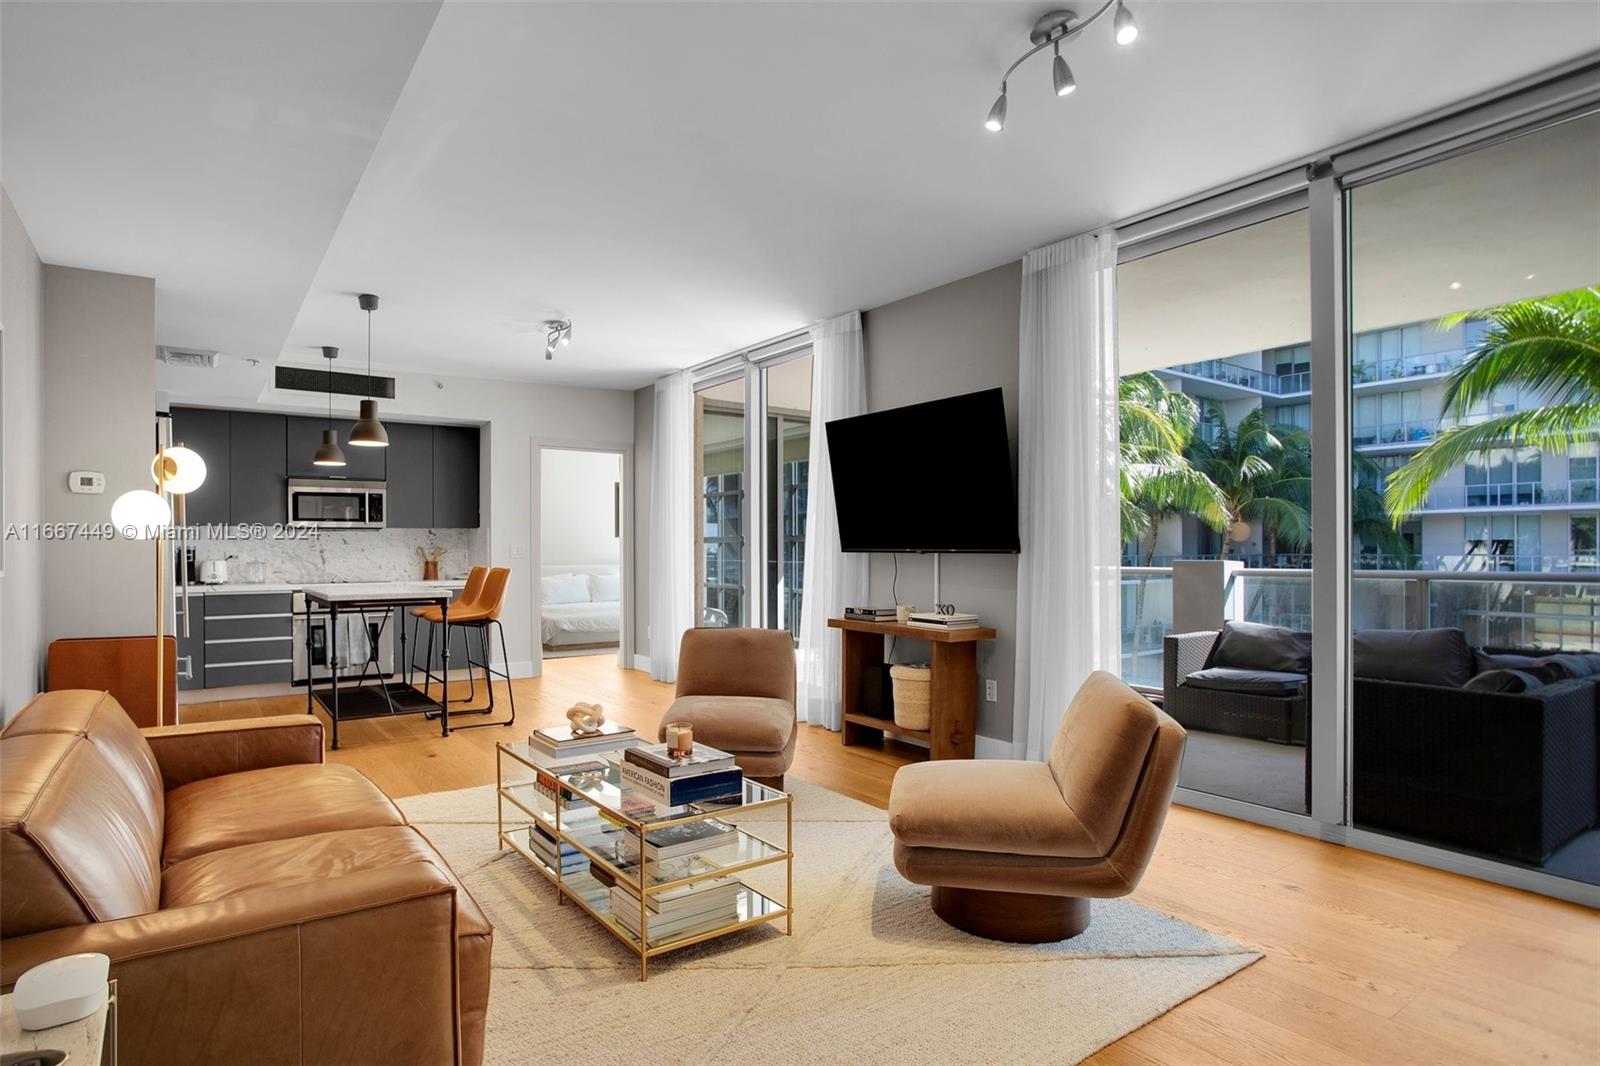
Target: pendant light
(368, 431)
(330, 453)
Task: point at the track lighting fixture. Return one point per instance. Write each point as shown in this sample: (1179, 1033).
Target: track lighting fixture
(557, 331)
(1051, 31)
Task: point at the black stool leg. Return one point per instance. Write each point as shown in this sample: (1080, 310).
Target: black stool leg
(491, 674)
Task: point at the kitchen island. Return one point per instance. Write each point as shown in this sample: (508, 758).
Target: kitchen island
(370, 694)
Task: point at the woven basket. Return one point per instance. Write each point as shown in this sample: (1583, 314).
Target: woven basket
(913, 694)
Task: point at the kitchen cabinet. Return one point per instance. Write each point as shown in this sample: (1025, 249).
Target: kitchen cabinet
(305, 437)
(192, 649)
(410, 462)
(455, 477)
(257, 490)
(249, 638)
(207, 433)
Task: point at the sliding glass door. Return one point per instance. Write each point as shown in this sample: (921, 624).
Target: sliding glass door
(1475, 319)
(752, 458)
(1216, 442)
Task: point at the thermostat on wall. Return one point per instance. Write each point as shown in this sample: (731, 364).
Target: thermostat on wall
(88, 481)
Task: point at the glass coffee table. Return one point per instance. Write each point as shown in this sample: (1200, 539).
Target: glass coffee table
(577, 822)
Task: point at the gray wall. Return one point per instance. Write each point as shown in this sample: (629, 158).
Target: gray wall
(960, 337)
(99, 336)
(21, 397)
(644, 450)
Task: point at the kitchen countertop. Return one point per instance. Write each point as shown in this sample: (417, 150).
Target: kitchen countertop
(240, 587)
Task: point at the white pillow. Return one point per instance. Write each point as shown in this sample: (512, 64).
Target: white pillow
(565, 588)
(605, 588)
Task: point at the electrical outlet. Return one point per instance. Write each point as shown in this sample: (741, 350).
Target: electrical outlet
(991, 691)
(516, 551)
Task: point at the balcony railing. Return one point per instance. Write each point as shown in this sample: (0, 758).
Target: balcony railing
(1547, 610)
(1515, 494)
(1408, 366)
(1410, 431)
(1223, 371)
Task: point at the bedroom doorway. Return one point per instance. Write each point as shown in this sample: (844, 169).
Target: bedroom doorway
(582, 552)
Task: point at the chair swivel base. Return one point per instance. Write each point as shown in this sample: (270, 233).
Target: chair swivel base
(1016, 917)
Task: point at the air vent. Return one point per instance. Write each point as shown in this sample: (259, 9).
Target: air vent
(199, 358)
(315, 379)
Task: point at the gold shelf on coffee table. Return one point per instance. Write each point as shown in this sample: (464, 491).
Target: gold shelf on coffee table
(610, 794)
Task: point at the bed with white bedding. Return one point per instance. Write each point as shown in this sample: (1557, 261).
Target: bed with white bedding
(581, 607)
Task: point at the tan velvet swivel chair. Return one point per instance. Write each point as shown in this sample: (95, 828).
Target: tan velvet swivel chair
(736, 687)
(1014, 850)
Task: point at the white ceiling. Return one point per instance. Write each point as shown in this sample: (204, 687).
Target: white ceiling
(680, 179)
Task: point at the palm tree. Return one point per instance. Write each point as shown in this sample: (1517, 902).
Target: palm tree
(1549, 348)
(1155, 427)
(1262, 474)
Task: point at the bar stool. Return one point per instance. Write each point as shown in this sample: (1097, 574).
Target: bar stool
(476, 577)
(480, 616)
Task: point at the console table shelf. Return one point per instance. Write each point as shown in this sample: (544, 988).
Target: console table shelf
(953, 714)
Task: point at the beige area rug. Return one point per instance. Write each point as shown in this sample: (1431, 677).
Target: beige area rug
(869, 976)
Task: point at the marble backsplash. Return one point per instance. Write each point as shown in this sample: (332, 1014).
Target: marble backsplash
(346, 555)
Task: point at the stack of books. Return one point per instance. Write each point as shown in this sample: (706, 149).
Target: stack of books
(543, 843)
(935, 620)
(561, 742)
(870, 614)
(685, 911)
(706, 774)
(676, 841)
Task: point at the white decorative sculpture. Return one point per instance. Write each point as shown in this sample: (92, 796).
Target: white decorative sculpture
(586, 717)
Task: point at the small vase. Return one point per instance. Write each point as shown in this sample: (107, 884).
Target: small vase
(430, 570)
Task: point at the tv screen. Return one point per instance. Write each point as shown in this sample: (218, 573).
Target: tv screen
(931, 477)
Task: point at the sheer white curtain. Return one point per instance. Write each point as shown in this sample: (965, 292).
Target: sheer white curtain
(672, 506)
(832, 577)
(1068, 579)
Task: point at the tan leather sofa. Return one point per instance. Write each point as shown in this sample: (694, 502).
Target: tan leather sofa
(1014, 849)
(736, 687)
(258, 904)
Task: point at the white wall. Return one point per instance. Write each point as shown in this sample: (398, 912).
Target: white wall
(512, 414)
(99, 336)
(577, 514)
(21, 395)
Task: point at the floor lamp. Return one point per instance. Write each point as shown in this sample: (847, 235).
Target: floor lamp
(145, 515)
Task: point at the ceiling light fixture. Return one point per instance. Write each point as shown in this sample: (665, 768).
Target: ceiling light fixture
(368, 432)
(1051, 31)
(329, 453)
(557, 331)
(1455, 284)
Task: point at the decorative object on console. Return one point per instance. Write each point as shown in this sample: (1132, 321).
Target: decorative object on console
(736, 688)
(1124, 755)
(874, 614)
(913, 698)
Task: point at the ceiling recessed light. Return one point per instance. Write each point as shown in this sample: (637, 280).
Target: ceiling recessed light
(1455, 284)
(1528, 278)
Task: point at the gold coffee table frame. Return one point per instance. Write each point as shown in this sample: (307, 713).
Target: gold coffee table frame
(610, 794)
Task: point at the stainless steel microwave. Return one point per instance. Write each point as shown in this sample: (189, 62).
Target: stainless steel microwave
(336, 504)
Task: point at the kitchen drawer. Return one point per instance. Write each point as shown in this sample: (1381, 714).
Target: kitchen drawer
(248, 603)
(220, 675)
(240, 650)
(225, 628)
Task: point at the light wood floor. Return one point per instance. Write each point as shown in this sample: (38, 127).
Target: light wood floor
(1368, 959)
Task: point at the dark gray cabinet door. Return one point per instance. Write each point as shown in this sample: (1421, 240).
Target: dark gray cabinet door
(455, 477)
(257, 490)
(410, 462)
(207, 432)
(305, 437)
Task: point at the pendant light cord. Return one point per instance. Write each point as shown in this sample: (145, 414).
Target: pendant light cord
(369, 355)
(330, 393)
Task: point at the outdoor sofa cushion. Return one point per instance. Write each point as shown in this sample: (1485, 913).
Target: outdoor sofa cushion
(1418, 656)
(1253, 646)
(1251, 682)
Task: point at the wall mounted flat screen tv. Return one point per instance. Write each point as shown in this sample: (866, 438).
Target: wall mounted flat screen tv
(931, 477)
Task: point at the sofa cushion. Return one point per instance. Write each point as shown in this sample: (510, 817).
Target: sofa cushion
(1419, 656)
(1570, 664)
(736, 662)
(1251, 682)
(277, 803)
(1000, 806)
(1252, 646)
(81, 815)
(734, 723)
(1505, 680)
(1485, 660)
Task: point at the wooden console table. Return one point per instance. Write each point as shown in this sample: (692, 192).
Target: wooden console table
(953, 719)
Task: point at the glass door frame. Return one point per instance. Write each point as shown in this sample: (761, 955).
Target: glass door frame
(748, 366)
(1320, 187)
